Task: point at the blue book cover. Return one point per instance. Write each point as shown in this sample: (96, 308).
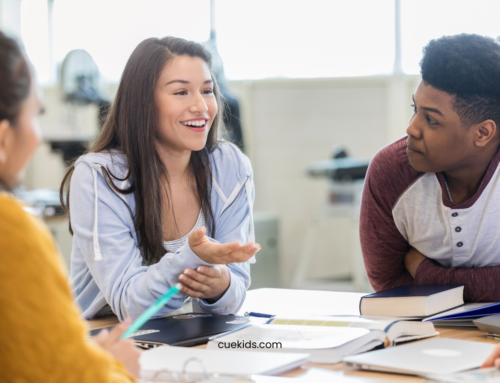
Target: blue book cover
(411, 291)
(466, 313)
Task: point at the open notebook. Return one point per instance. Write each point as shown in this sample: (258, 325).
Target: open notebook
(396, 329)
(324, 344)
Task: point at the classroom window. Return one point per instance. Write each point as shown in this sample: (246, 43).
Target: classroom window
(256, 39)
(314, 38)
(35, 35)
(109, 30)
(423, 20)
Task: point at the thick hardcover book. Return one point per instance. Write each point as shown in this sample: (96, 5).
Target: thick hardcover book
(185, 329)
(412, 301)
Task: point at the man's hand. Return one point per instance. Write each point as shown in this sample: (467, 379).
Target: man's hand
(494, 359)
(123, 350)
(206, 282)
(223, 254)
(413, 259)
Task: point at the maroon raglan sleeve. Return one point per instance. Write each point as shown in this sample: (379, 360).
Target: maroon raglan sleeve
(383, 246)
(482, 284)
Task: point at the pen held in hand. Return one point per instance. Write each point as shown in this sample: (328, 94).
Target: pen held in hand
(258, 315)
(146, 315)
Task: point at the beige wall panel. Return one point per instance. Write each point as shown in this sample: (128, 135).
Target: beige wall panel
(293, 127)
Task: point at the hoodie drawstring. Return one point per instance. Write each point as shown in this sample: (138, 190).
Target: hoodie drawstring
(97, 249)
(248, 188)
(250, 207)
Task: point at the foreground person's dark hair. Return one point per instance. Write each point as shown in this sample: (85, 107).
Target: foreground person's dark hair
(15, 79)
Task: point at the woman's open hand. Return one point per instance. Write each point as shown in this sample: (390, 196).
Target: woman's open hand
(217, 253)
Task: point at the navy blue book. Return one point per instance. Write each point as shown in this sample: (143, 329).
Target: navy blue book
(412, 301)
(467, 312)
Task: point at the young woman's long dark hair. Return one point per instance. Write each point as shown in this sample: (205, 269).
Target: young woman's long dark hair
(131, 127)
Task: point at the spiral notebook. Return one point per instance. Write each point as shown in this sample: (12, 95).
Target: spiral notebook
(169, 363)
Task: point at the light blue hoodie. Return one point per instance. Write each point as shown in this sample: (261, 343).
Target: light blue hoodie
(106, 263)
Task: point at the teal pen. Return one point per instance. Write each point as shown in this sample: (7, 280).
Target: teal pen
(146, 315)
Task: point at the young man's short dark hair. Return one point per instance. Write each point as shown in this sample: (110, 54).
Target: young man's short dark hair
(468, 67)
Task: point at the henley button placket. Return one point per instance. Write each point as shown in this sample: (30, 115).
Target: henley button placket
(459, 246)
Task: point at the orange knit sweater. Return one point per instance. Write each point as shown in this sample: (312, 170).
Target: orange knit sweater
(42, 338)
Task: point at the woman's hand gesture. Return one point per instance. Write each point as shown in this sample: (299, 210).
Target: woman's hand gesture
(220, 254)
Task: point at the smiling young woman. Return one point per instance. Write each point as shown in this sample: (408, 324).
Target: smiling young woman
(157, 180)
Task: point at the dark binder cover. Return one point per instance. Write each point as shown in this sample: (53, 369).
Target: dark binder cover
(478, 312)
(409, 291)
(185, 329)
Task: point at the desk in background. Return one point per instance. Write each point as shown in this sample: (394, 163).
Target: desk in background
(308, 302)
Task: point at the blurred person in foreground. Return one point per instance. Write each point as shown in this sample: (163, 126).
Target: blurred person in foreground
(41, 335)
(494, 359)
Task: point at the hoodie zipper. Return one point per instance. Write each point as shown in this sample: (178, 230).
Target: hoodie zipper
(235, 197)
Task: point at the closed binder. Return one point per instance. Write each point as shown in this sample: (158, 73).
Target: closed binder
(184, 330)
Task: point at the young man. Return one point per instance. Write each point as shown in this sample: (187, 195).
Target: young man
(431, 202)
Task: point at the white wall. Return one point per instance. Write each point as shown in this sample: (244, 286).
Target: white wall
(61, 121)
(291, 123)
